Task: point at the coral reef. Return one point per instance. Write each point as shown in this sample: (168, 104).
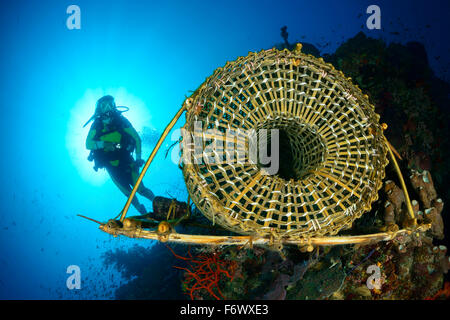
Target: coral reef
(442, 294)
(148, 271)
(432, 206)
(415, 273)
(407, 96)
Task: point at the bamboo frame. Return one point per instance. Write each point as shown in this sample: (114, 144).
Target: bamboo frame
(259, 240)
(171, 236)
(402, 182)
(165, 230)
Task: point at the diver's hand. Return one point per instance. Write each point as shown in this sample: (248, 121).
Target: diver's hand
(98, 145)
(140, 162)
(109, 146)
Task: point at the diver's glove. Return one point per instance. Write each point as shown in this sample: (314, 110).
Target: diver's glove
(104, 145)
(98, 144)
(140, 163)
(109, 146)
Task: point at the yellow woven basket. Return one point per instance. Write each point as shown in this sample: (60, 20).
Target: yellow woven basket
(337, 146)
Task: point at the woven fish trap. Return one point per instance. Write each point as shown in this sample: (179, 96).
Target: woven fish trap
(331, 138)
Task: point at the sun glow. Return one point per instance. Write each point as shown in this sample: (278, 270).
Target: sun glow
(82, 110)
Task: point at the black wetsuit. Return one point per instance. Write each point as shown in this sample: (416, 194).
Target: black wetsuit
(118, 162)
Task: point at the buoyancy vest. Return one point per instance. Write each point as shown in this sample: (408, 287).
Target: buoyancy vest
(113, 132)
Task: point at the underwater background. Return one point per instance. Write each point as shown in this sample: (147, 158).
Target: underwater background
(149, 55)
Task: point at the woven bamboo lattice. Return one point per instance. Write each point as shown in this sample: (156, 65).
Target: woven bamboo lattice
(337, 147)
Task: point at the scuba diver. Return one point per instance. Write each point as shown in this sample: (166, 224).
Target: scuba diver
(112, 141)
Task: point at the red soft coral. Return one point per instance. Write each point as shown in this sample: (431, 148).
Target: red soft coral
(204, 273)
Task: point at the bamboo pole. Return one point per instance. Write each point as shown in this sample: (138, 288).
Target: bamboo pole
(150, 159)
(259, 240)
(402, 182)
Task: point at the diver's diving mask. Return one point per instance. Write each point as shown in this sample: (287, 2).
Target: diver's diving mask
(105, 106)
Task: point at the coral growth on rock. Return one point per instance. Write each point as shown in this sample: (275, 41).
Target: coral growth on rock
(148, 272)
(443, 294)
(432, 206)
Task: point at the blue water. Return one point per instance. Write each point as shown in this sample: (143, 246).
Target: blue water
(148, 55)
